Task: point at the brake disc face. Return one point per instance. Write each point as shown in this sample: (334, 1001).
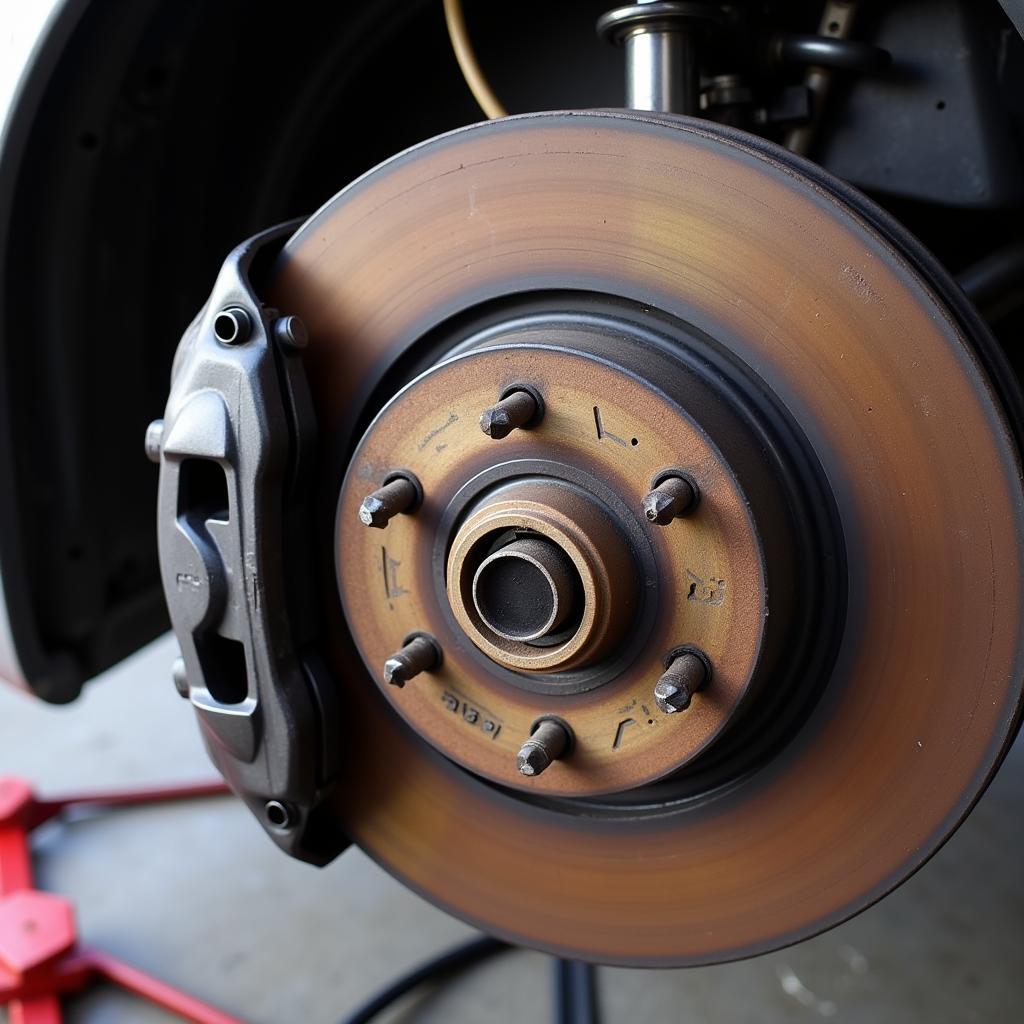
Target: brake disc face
(678, 304)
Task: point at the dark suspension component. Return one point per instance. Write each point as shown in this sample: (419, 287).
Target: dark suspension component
(660, 39)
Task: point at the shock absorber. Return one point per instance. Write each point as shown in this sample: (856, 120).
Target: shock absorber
(660, 40)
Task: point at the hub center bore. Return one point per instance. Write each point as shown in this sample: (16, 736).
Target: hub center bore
(530, 577)
(526, 589)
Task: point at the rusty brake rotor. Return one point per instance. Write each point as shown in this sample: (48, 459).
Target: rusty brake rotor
(670, 535)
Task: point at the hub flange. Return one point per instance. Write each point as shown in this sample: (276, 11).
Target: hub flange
(631, 590)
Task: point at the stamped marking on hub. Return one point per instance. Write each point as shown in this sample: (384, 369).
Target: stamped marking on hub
(603, 434)
(472, 714)
(452, 419)
(623, 727)
(389, 569)
(705, 591)
(620, 731)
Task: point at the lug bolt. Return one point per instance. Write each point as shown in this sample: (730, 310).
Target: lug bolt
(685, 675)
(515, 410)
(291, 333)
(180, 676)
(232, 326)
(154, 440)
(396, 496)
(548, 742)
(672, 497)
(420, 654)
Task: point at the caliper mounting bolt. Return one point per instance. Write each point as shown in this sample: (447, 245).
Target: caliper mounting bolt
(550, 740)
(179, 673)
(291, 333)
(421, 653)
(684, 676)
(154, 440)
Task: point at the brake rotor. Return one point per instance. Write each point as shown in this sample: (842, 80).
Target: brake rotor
(679, 300)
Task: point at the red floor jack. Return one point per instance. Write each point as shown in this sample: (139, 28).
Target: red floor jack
(40, 958)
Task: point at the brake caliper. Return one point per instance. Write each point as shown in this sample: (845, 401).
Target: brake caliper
(235, 543)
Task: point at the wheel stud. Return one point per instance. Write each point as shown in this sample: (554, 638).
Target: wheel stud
(396, 496)
(420, 654)
(673, 497)
(515, 410)
(685, 675)
(548, 742)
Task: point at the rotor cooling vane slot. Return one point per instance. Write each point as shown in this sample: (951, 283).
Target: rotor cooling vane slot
(668, 535)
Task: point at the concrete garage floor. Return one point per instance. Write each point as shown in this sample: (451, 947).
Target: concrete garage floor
(195, 894)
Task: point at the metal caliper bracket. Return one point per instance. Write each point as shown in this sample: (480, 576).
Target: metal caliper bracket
(233, 512)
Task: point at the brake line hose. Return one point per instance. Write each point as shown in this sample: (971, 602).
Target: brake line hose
(464, 54)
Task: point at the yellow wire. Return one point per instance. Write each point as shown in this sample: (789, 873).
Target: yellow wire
(464, 54)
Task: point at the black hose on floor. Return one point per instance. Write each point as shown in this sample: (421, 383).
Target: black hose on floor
(575, 993)
(457, 959)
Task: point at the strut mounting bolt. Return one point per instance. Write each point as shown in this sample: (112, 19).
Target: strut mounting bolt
(685, 675)
(154, 440)
(673, 497)
(396, 496)
(180, 676)
(291, 333)
(547, 743)
(232, 326)
(515, 410)
(420, 654)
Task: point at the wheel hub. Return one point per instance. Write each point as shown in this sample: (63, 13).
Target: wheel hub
(532, 565)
